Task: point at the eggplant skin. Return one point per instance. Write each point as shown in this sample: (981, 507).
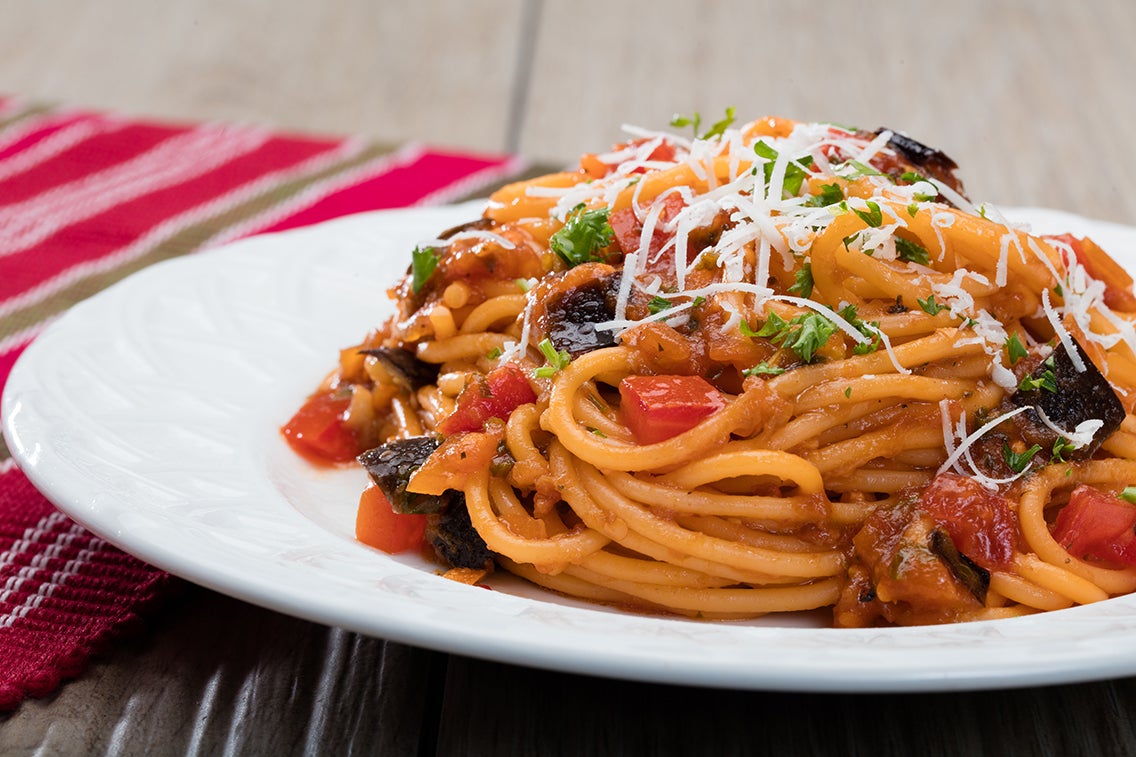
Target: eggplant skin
(448, 527)
(571, 315)
(454, 538)
(392, 464)
(405, 367)
(1080, 396)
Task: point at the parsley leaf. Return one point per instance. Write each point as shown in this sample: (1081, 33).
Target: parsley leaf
(804, 285)
(804, 334)
(1018, 461)
(929, 306)
(861, 169)
(681, 122)
(557, 359)
(911, 251)
(830, 194)
(717, 129)
(912, 177)
(583, 235)
(795, 170)
(873, 216)
(1015, 349)
(763, 369)
(423, 261)
(1046, 381)
(658, 305)
(1061, 447)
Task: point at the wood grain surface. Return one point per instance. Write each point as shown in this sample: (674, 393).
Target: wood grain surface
(1032, 99)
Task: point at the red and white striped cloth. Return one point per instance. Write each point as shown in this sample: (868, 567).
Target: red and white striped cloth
(87, 198)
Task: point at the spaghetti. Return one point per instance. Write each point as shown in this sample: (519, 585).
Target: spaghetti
(774, 367)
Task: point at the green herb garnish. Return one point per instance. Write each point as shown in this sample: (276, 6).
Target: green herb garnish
(911, 251)
(1015, 349)
(583, 235)
(557, 359)
(929, 306)
(717, 129)
(423, 261)
(804, 277)
(763, 369)
(1018, 461)
(830, 194)
(873, 216)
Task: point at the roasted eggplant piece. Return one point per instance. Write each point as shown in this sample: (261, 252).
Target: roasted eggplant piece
(479, 224)
(926, 160)
(410, 372)
(1067, 397)
(454, 538)
(392, 464)
(448, 528)
(572, 312)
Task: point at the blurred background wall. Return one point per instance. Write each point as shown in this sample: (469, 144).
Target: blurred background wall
(992, 84)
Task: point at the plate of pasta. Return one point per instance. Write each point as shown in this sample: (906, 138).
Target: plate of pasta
(773, 405)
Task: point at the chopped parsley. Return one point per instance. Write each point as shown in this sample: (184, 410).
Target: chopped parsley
(583, 235)
(557, 359)
(911, 251)
(1062, 447)
(873, 216)
(860, 169)
(830, 194)
(763, 369)
(1046, 380)
(795, 170)
(929, 306)
(803, 334)
(1018, 461)
(1015, 349)
(1129, 494)
(804, 285)
(717, 129)
(658, 305)
(423, 261)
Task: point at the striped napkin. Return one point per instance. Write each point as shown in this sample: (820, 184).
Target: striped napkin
(87, 198)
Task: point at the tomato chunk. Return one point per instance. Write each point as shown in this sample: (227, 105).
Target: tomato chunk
(628, 231)
(981, 523)
(501, 392)
(656, 408)
(318, 430)
(378, 525)
(1096, 525)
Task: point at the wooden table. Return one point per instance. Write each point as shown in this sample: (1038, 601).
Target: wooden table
(1034, 100)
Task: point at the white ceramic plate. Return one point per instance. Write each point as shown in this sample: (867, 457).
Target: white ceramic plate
(149, 413)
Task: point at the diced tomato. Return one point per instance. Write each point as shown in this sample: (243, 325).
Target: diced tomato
(1118, 293)
(628, 230)
(318, 430)
(379, 526)
(981, 523)
(1095, 525)
(496, 396)
(656, 408)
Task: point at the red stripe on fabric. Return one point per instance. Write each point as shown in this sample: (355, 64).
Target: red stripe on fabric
(401, 186)
(47, 126)
(112, 230)
(114, 145)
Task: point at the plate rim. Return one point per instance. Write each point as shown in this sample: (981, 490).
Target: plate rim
(41, 463)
